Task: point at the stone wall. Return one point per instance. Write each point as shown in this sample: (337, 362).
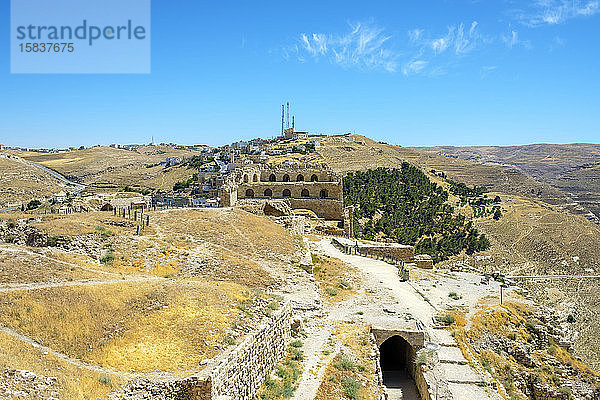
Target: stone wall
(243, 371)
(382, 252)
(324, 208)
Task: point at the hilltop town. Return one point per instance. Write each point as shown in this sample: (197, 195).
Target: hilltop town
(303, 266)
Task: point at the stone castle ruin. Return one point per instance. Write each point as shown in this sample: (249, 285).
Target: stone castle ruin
(315, 188)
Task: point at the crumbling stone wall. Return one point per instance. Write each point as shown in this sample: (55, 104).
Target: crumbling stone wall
(243, 371)
(232, 376)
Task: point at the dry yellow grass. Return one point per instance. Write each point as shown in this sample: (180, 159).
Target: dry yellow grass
(23, 267)
(338, 280)
(164, 326)
(73, 383)
(234, 229)
(83, 224)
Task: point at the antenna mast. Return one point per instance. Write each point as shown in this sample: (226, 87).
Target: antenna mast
(282, 118)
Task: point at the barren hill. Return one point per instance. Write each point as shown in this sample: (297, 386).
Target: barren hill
(106, 167)
(572, 168)
(348, 153)
(21, 182)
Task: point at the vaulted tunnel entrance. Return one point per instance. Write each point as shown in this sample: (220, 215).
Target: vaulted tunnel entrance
(397, 359)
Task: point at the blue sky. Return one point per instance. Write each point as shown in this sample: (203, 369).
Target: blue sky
(407, 72)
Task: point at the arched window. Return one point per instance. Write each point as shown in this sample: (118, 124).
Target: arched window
(300, 178)
(255, 178)
(304, 193)
(314, 178)
(287, 193)
(249, 193)
(323, 194)
(268, 193)
(286, 178)
(272, 178)
(245, 178)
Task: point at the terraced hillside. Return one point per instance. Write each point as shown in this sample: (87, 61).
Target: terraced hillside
(21, 182)
(103, 168)
(572, 168)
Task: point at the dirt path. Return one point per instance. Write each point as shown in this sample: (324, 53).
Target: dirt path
(34, 286)
(386, 289)
(14, 249)
(315, 362)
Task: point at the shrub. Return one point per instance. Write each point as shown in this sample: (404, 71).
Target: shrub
(107, 258)
(33, 204)
(52, 240)
(296, 343)
(331, 291)
(454, 295)
(446, 319)
(346, 364)
(570, 319)
(422, 357)
(351, 387)
(105, 380)
(297, 354)
(229, 340)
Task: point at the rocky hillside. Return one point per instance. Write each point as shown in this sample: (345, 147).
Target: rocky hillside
(571, 168)
(354, 152)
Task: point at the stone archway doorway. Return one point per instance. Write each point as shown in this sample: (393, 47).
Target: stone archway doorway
(396, 361)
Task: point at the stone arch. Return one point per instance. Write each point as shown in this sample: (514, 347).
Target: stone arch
(300, 178)
(249, 193)
(286, 178)
(272, 178)
(323, 193)
(245, 178)
(314, 178)
(255, 178)
(268, 193)
(305, 193)
(287, 193)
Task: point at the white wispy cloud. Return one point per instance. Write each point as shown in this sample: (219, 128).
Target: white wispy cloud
(486, 70)
(365, 46)
(433, 53)
(552, 12)
(458, 38)
(414, 67)
(512, 40)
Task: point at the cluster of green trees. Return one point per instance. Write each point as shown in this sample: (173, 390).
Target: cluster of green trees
(403, 204)
(181, 185)
(196, 161)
